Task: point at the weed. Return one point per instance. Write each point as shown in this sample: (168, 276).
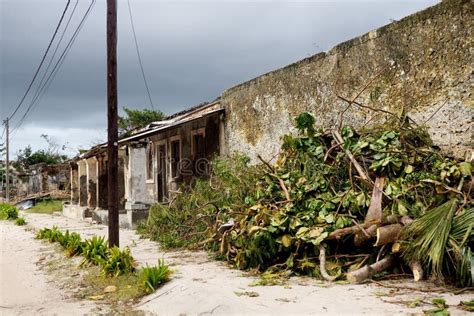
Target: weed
(8, 211)
(118, 262)
(95, 251)
(74, 245)
(20, 221)
(152, 277)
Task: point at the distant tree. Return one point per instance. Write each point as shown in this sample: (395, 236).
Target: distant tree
(134, 119)
(27, 157)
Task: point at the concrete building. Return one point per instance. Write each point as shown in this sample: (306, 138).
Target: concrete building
(421, 66)
(153, 164)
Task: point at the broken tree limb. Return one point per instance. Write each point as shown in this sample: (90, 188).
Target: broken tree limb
(388, 234)
(360, 239)
(406, 220)
(374, 214)
(358, 167)
(396, 247)
(322, 265)
(339, 233)
(417, 270)
(285, 190)
(368, 271)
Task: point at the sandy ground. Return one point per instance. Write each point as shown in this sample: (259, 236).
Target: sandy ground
(199, 286)
(24, 288)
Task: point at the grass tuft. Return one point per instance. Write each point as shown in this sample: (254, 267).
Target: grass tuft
(47, 207)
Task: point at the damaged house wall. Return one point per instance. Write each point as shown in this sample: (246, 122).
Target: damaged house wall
(158, 163)
(42, 178)
(425, 66)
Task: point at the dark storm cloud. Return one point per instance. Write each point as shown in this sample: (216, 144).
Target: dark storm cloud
(191, 51)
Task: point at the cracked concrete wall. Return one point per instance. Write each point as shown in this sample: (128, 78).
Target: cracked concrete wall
(427, 61)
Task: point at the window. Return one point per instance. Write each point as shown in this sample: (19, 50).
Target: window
(175, 157)
(198, 146)
(199, 149)
(149, 161)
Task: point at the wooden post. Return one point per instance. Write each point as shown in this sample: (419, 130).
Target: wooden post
(112, 144)
(7, 172)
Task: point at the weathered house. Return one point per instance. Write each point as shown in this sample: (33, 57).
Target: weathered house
(43, 178)
(406, 66)
(153, 162)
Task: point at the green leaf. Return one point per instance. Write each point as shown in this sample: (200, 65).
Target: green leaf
(465, 168)
(286, 240)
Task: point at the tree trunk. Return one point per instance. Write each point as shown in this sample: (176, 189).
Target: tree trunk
(368, 271)
(387, 234)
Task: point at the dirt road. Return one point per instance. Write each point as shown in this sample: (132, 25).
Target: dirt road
(199, 286)
(25, 289)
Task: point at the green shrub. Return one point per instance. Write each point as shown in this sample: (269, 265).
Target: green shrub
(95, 251)
(8, 211)
(118, 262)
(20, 221)
(43, 233)
(55, 235)
(152, 277)
(74, 245)
(196, 208)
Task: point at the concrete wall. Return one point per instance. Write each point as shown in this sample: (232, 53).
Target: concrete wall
(41, 178)
(141, 190)
(427, 60)
(135, 175)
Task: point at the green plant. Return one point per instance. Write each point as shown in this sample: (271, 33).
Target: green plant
(118, 262)
(74, 245)
(187, 220)
(8, 211)
(47, 207)
(95, 251)
(20, 221)
(55, 235)
(153, 276)
(43, 233)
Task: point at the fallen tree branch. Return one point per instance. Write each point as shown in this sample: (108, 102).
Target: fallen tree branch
(387, 234)
(285, 190)
(322, 265)
(358, 167)
(417, 270)
(368, 271)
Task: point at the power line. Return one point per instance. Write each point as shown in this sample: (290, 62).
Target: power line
(56, 68)
(56, 50)
(41, 63)
(138, 54)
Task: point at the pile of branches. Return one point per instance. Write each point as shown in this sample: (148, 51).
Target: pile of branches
(341, 203)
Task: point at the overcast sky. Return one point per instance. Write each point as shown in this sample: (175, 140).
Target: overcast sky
(191, 52)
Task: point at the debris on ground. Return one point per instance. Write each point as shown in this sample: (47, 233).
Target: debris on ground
(337, 204)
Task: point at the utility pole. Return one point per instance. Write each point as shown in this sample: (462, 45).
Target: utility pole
(112, 131)
(7, 160)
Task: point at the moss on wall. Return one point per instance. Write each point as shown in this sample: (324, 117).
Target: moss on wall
(424, 60)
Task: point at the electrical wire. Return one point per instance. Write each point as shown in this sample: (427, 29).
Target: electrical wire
(42, 61)
(56, 68)
(138, 54)
(56, 50)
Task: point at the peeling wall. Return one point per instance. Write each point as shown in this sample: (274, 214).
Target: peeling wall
(427, 61)
(42, 178)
